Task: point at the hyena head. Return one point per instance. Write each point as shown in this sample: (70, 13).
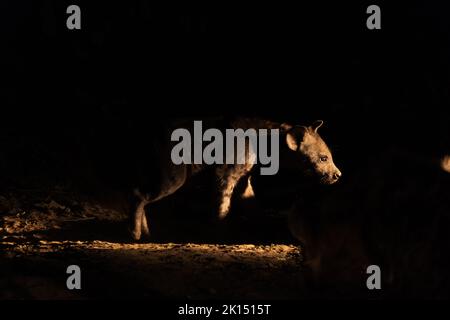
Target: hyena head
(314, 156)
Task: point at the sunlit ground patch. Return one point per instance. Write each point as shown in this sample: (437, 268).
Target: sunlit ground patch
(41, 238)
(151, 270)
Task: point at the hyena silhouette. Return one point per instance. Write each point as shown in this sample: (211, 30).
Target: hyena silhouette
(303, 146)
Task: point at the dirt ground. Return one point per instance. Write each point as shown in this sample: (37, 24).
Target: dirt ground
(41, 235)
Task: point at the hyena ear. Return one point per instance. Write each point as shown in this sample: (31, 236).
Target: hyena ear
(295, 136)
(316, 125)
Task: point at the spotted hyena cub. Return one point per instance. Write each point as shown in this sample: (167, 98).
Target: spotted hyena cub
(301, 147)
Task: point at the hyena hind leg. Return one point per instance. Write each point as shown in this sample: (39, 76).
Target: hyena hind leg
(139, 219)
(173, 179)
(145, 230)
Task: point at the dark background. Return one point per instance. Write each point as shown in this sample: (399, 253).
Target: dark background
(138, 61)
(72, 99)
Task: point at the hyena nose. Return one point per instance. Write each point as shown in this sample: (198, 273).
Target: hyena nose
(337, 175)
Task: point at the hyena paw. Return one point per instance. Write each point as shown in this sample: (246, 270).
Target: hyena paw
(222, 213)
(135, 234)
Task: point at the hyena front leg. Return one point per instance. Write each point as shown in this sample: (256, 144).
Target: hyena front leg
(248, 192)
(229, 177)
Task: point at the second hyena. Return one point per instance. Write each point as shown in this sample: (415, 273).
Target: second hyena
(302, 145)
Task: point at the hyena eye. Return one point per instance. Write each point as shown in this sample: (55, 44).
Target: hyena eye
(323, 158)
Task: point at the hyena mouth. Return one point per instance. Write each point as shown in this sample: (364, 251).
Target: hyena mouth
(327, 180)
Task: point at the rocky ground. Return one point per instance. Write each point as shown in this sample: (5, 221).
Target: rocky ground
(41, 235)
